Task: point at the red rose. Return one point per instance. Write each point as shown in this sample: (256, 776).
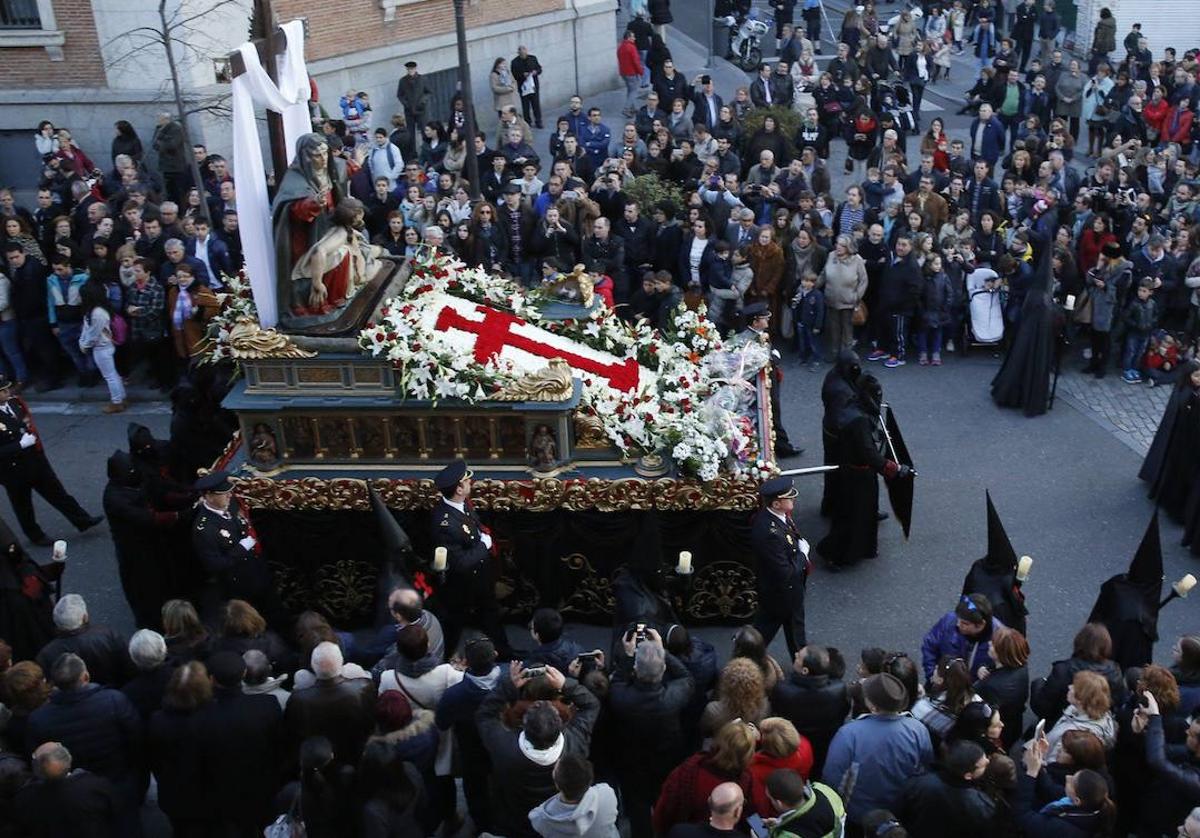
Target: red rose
(378, 337)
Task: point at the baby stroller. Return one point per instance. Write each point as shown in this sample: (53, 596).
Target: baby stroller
(896, 99)
(985, 312)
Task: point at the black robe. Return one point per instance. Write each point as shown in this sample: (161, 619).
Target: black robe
(999, 585)
(837, 393)
(1173, 461)
(1024, 378)
(854, 509)
(25, 606)
(1130, 613)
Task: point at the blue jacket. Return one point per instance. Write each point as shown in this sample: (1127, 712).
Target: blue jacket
(99, 726)
(993, 141)
(944, 639)
(218, 259)
(558, 653)
(886, 750)
(595, 141)
(810, 310)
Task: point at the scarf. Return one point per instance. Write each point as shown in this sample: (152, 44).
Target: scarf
(183, 309)
(538, 757)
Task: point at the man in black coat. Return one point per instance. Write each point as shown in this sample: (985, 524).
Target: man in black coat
(241, 749)
(949, 803)
(813, 700)
(526, 66)
(468, 593)
(523, 760)
(61, 801)
(650, 689)
(340, 709)
(781, 565)
(981, 193)
(602, 253)
(24, 469)
(671, 85)
(137, 530)
(637, 232)
(899, 295)
(102, 649)
(100, 726)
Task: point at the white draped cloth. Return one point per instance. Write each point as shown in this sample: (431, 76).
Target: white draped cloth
(289, 98)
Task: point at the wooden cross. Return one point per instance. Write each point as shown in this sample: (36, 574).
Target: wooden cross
(271, 43)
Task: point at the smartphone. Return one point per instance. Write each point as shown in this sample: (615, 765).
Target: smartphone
(757, 826)
(535, 671)
(1039, 732)
(588, 656)
(640, 632)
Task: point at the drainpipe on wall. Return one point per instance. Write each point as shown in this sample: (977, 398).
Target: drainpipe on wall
(575, 41)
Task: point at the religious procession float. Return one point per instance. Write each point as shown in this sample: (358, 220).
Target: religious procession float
(595, 442)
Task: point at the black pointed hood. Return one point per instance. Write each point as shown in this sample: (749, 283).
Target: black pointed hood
(1128, 602)
(1000, 553)
(995, 575)
(1146, 569)
(396, 543)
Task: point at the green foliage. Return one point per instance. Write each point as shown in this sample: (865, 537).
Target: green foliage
(787, 123)
(649, 189)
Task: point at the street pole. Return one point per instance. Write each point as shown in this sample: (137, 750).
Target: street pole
(464, 85)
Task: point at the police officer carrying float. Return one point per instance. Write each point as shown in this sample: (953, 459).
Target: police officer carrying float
(228, 551)
(468, 594)
(780, 563)
(24, 469)
(758, 322)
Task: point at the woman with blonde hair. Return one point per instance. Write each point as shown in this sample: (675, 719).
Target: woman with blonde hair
(685, 792)
(740, 695)
(780, 746)
(1089, 707)
(243, 629)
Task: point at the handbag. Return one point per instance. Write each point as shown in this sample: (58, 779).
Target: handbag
(787, 323)
(859, 317)
(288, 825)
(832, 107)
(1083, 308)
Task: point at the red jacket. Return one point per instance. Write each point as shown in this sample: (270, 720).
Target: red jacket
(684, 794)
(1177, 127)
(1156, 114)
(799, 760)
(629, 60)
(1090, 246)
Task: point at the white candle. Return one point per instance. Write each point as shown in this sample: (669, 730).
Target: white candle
(439, 559)
(1185, 585)
(1024, 565)
(685, 562)
(60, 551)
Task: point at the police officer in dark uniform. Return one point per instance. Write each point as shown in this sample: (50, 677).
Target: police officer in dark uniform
(758, 322)
(468, 593)
(229, 554)
(781, 565)
(24, 469)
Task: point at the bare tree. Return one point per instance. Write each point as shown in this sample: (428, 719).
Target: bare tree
(184, 37)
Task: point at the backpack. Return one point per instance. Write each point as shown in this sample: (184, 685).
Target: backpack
(119, 330)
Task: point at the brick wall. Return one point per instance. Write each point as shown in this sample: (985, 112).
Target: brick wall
(337, 28)
(81, 65)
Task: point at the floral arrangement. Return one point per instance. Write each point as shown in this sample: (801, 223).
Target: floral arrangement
(238, 303)
(690, 398)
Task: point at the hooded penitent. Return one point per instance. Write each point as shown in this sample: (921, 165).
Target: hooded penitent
(995, 575)
(1024, 378)
(837, 392)
(25, 621)
(1128, 603)
(395, 568)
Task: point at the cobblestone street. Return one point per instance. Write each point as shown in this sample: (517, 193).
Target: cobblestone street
(1130, 412)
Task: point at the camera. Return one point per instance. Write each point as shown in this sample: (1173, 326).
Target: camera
(535, 671)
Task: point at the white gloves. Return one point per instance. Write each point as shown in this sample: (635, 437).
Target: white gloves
(248, 542)
(28, 440)
(486, 539)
